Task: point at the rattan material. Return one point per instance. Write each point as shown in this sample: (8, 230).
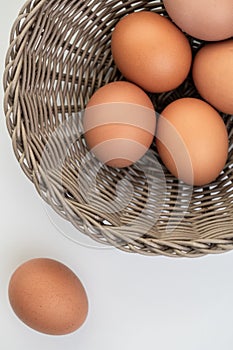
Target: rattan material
(59, 55)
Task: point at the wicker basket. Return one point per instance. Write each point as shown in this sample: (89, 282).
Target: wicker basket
(59, 55)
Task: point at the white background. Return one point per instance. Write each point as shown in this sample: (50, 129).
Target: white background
(135, 302)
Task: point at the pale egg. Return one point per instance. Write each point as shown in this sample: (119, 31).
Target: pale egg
(209, 20)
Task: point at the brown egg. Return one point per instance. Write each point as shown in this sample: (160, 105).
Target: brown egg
(192, 141)
(119, 124)
(209, 20)
(151, 51)
(48, 297)
(213, 74)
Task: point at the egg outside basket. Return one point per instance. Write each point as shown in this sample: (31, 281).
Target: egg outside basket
(59, 54)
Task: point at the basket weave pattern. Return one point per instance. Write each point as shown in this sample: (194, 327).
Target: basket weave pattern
(59, 54)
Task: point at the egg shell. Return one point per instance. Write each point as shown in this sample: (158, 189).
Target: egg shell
(192, 141)
(213, 74)
(151, 51)
(208, 20)
(48, 297)
(119, 124)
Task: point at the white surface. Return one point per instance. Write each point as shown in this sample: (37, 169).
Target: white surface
(135, 302)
